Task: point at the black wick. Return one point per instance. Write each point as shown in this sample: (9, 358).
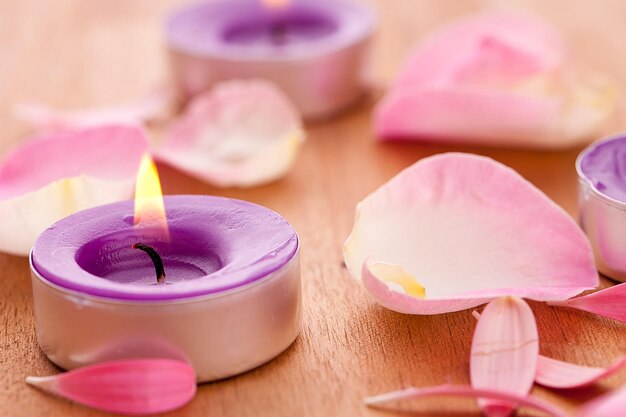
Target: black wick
(278, 33)
(156, 259)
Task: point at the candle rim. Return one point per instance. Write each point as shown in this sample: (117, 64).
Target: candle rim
(67, 273)
(162, 301)
(343, 38)
(584, 179)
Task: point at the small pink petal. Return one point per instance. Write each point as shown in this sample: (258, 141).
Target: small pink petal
(54, 175)
(553, 373)
(563, 375)
(153, 105)
(505, 350)
(506, 82)
(458, 227)
(466, 391)
(136, 387)
(612, 404)
(240, 133)
(609, 302)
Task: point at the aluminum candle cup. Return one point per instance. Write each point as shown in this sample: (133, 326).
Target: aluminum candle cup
(601, 172)
(231, 301)
(313, 49)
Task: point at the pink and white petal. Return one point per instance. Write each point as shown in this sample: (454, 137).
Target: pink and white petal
(505, 351)
(608, 302)
(462, 114)
(467, 229)
(507, 84)
(465, 115)
(241, 133)
(563, 375)
(504, 46)
(557, 374)
(52, 176)
(133, 387)
(612, 404)
(154, 105)
(465, 391)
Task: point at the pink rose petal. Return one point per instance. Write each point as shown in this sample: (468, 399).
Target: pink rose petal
(136, 387)
(609, 302)
(505, 350)
(54, 175)
(241, 133)
(563, 375)
(505, 45)
(553, 373)
(612, 404)
(451, 112)
(154, 105)
(466, 229)
(466, 391)
(493, 79)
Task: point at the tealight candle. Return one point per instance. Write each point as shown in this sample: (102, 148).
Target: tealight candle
(602, 202)
(226, 299)
(313, 49)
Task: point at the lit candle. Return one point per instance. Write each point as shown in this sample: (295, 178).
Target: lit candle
(602, 202)
(313, 49)
(219, 287)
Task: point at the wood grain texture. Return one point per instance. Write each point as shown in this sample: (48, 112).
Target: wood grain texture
(73, 53)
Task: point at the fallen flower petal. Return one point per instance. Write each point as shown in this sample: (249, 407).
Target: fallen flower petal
(507, 83)
(240, 133)
(563, 375)
(154, 105)
(504, 354)
(55, 175)
(136, 387)
(608, 302)
(466, 391)
(491, 46)
(609, 405)
(553, 373)
(465, 229)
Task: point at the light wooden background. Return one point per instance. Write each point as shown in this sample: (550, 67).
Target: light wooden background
(99, 52)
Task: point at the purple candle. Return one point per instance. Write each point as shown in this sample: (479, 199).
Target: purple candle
(231, 302)
(313, 49)
(602, 202)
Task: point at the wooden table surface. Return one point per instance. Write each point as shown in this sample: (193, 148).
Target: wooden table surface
(99, 52)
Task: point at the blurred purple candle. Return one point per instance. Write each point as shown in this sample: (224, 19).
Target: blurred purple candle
(313, 49)
(602, 202)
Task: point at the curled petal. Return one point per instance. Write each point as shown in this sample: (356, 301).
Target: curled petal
(608, 302)
(241, 133)
(506, 84)
(154, 105)
(563, 375)
(609, 405)
(504, 354)
(136, 387)
(457, 226)
(465, 391)
(55, 175)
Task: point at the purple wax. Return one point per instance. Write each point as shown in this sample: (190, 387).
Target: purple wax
(603, 164)
(248, 30)
(216, 244)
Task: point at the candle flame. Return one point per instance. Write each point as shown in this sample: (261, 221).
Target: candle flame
(149, 207)
(275, 4)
